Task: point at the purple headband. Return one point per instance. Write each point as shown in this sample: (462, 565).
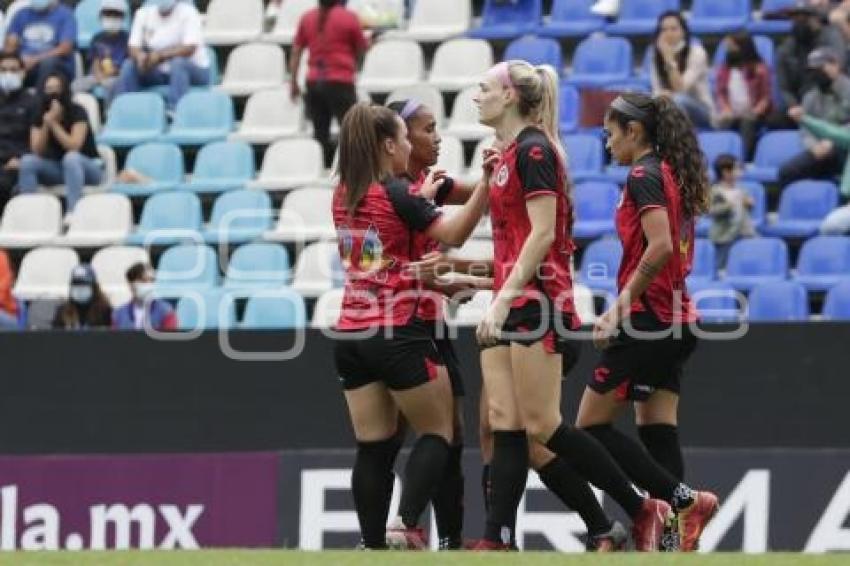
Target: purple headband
(410, 109)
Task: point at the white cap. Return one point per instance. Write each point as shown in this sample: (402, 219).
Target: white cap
(117, 5)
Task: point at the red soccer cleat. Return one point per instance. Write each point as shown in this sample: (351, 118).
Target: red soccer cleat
(613, 541)
(693, 519)
(484, 545)
(400, 537)
(648, 525)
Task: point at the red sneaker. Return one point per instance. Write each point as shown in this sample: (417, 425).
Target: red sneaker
(648, 526)
(400, 537)
(613, 541)
(484, 545)
(693, 520)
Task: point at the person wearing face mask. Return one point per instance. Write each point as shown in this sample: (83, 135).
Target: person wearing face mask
(87, 306)
(16, 110)
(166, 48)
(143, 311)
(44, 34)
(829, 101)
(108, 49)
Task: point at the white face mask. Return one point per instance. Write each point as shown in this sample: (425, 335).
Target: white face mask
(142, 290)
(111, 24)
(11, 82)
(81, 294)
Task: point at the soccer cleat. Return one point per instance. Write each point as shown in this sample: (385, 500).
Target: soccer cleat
(612, 541)
(484, 545)
(449, 543)
(400, 537)
(694, 518)
(648, 525)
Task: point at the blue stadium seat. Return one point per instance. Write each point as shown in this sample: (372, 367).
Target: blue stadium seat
(600, 264)
(778, 301)
(201, 117)
(283, 308)
(715, 301)
(570, 108)
(802, 207)
(595, 205)
(506, 20)
(599, 61)
(221, 166)
(259, 265)
(714, 144)
(168, 217)
(764, 47)
(617, 174)
(824, 262)
(782, 25)
(703, 226)
(772, 150)
(639, 17)
(704, 268)
(585, 156)
(185, 268)
(537, 51)
(756, 260)
(133, 118)
(570, 18)
(239, 216)
(87, 14)
(758, 213)
(162, 163)
(206, 309)
(837, 303)
(719, 16)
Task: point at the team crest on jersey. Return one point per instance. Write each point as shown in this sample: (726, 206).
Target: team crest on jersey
(638, 172)
(362, 252)
(536, 153)
(502, 176)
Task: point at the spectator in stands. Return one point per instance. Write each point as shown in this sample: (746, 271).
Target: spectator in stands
(108, 49)
(838, 135)
(63, 149)
(166, 48)
(839, 17)
(16, 112)
(143, 311)
(336, 41)
(730, 208)
(8, 305)
(87, 306)
(679, 68)
(828, 100)
(44, 34)
(743, 90)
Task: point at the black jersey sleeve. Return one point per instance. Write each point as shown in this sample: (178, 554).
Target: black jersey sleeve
(444, 191)
(537, 166)
(415, 211)
(646, 187)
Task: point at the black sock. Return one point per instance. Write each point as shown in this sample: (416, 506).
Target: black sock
(509, 471)
(372, 487)
(486, 486)
(662, 441)
(592, 461)
(448, 501)
(640, 466)
(574, 492)
(423, 472)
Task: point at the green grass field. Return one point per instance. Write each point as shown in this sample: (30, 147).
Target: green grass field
(287, 558)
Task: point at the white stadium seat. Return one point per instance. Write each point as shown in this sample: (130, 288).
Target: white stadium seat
(471, 312)
(464, 122)
(459, 63)
(232, 23)
(314, 270)
(327, 309)
(474, 173)
(92, 108)
(305, 215)
(437, 20)
(270, 115)
(110, 265)
(30, 220)
(252, 67)
(287, 20)
(390, 65)
(45, 273)
(425, 94)
(293, 163)
(99, 220)
(473, 249)
(451, 156)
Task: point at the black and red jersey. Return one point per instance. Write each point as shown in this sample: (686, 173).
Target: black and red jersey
(375, 244)
(652, 184)
(529, 167)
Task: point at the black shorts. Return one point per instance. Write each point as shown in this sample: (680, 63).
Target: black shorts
(406, 360)
(452, 363)
(636, 367)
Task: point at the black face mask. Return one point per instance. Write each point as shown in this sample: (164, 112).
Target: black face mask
(734, 59)
(803, 33)
(822, 80)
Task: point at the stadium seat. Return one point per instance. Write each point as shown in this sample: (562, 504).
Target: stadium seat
(474, 173)
(168, 217)
(98, 220)
(772, 150)
(595, 204)
(600, 265)
(278, 309)
(713, 16)
(238, 217)
(288, 16)
(764, 47)
(837, 303)
(233, 23)
(30, 220)
(186, 267)
(599, 61)
(270, 115)
(134, 118)
(221, 166)
(570, 109)
(802, 207)
(824, 262)
(451, 157)
(435, 21)
(161, 163)
(253, 67)
(473, 250)
(327, 309)
(471, 312)
(584, 303)
(45, 273)
(586, 155)
(537, 51)
(424, 94)
(703, 226)
(639, 17)
(758, 213)
(87, 14)
(704, 267)
(715, 301)
(615, 173)
(110, 265)
(206, 309)
(92, 108)
(392, 64)
(714, 144)
(753, 261)
(291, 163)
(464, 123)
(571, 18)
(460, 63)
(258, 265)
(506, 20)
(318, 269)
(305, 215)
(771, 25)
(201, 117)
(778, 301)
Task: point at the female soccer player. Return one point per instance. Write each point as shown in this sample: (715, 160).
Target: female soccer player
(387, 361)
(645, 336)
(524, 332)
